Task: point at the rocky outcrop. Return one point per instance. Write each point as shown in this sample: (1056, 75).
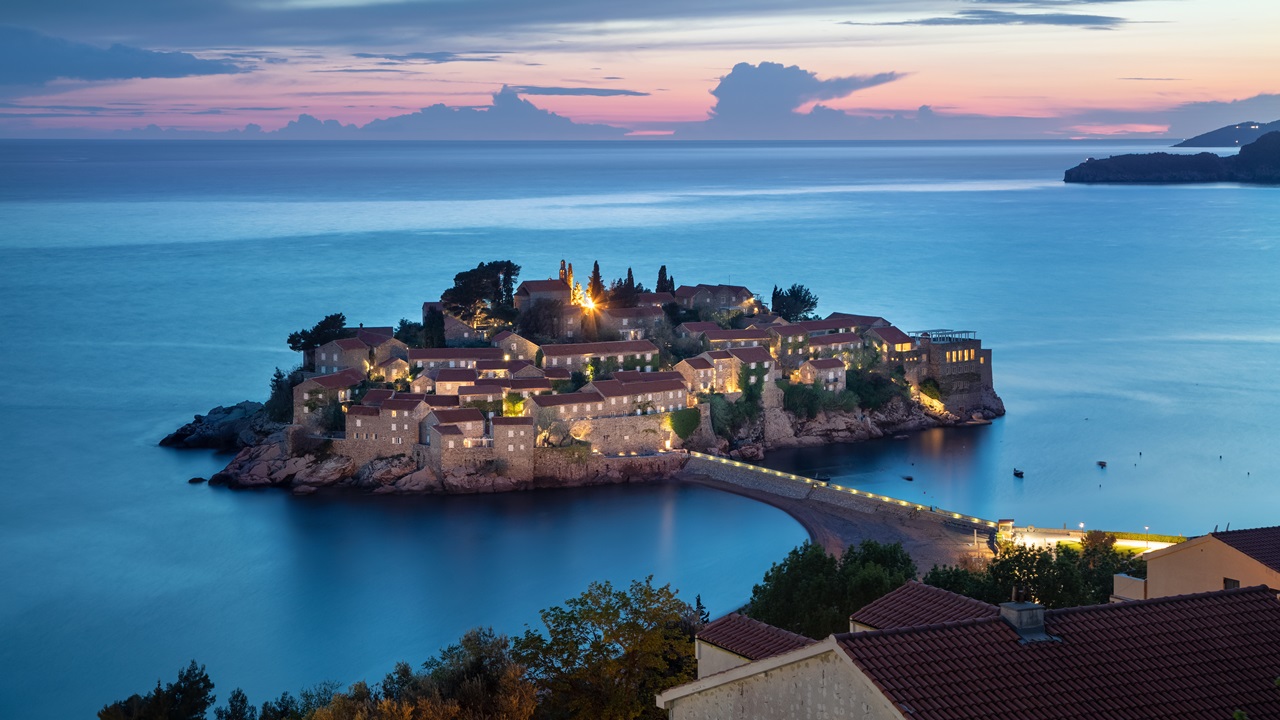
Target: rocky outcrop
(1258, 162)
(224, 428)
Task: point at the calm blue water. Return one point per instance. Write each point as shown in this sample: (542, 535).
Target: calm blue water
(141, 283)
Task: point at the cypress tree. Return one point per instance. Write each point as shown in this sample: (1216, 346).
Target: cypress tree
(662, 280)
(595, 285)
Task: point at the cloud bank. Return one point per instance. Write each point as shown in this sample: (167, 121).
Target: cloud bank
(31, 58)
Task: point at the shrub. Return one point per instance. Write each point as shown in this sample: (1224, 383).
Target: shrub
(685, 422)
(873, 390)
(929, 388)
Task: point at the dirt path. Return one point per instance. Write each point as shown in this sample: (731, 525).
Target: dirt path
(928, 541)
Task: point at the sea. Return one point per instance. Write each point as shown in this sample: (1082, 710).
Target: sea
(144, 282)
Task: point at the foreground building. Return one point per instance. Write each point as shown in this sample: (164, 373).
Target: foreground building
(1217, 561)
(1191, 656)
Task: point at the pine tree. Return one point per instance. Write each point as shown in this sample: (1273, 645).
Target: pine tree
(595, 284)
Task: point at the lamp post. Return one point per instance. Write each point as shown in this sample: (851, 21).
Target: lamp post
(1147, 530)
(1082, 532)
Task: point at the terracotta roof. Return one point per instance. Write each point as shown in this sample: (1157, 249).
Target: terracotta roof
(688, 291)
(698, 363)
(834, 339)
(822, 326)
(456, 375)
(498, 364)
(695, 328)
(892, 335)
(1175, 658)
(441, 401)
(661, 298)
(859, 320)
(471, 353)
(566, 399)
(654, 386)
(469, 390)
(739, 289)
(1261, 544)
(751, 354)
(376, 396)
(915, 604)
(401, 404)
(373, 337)
(364, 410)
(513, 421)
(344, 379)
(616, 347)
(716, 355)
(557, 373)
(447, 416)
(826, 363)
(750, 638)
(391, 361)
(448, 429)
(531, 286)
(348, 344)
(735, 335)
(410, 396)
(502, 336)
(641, 376)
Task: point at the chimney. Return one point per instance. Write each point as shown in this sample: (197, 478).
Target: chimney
(1026, 618)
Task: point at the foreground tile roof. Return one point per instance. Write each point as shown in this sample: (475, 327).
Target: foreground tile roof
(892, 335)
(750, 638)
(826, 363)
(915, 604)
(1176, 658)
(1261, 544)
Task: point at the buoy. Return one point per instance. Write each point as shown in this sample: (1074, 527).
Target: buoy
(1102, 463)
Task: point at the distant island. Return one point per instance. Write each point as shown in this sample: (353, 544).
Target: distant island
(507, 385)
(1232, 135)
(1257, 163)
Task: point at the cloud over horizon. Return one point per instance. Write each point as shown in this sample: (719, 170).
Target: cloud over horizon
(31, 58)
(1004, 17)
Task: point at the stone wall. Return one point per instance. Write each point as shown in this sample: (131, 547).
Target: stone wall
(822, 686)
(746, 478)
(629, 433)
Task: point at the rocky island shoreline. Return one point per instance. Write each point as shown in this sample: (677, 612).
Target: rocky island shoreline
(1257, 163)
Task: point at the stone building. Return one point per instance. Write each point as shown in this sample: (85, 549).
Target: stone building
(616, 355)
(894, 346)
(827, 372)
(1219, 560)
(957, 361)
(433, 360)
(514, 439)
(627, 376)
(717, 298)
(391, 370)
(469, 421)
(724, 371)
(1208, 655)
(382, 347)
(531, 291)
(695, 329)
(698, 373)
(754, 363)
(654, 299)
(317, 393)
(515, 347)
(789, 344)
(566, 406)
(640, 398)
(449, 380)
(342, 354)
(634, 323)
(728, 339)
(839, 345)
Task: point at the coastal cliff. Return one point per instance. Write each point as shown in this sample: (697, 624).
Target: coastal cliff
(1257, 163)
(225, 428)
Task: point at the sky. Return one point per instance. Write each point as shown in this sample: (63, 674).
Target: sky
(583, 69)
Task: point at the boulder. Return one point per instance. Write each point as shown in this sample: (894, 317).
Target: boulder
(224, 428)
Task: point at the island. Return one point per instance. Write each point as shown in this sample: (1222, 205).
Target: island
(553, 383)
(1257, 163)
(1232, 135)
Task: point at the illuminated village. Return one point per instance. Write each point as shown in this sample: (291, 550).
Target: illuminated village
(497, 383)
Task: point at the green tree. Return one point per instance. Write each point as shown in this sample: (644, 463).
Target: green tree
(540, 321)
(279, 404)
(813, 593)
(188, 698)
(409, 332)
(663, 281)
(607, 652)
(238, 708)
(482, 293)
(305, 341)
(482, 675)
(795, 303)
(433, 329)
(595, 284)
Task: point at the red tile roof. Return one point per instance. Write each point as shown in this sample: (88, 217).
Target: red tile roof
(826, 363)
(532, 286)
(512, 421)
(482, 390)
(376, 396)
(501, 336)
(498, 364)
(535, 383)
(456, 375)
(750, 638)
(716, 355)
(365, 410)
(391, 361)
(1261, 544)
(915, 604)
(441, 401)
(349, 344)
(824, 326)
(373, 338)
(344, 379)
(448, 429)
(617, 347)
(751, 354)
(698, 363)
(891, 335)
(401, 404)
(688, 291)
(557, 373)
(1176, 658)
(695, 328)
(566, 399)
(641, 376)
(448, 416)
(471, 353)
(736, 335)
(661, 298)
(859, 320)
(410, 396)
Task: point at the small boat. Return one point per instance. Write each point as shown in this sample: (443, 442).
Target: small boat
(908, 478)
(899, 437)
(1102, 463)
(1017, 473)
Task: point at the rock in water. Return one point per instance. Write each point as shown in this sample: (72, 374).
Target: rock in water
(224, 428)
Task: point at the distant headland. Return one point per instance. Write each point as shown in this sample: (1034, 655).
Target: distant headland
(1232, 136)
(1257, 163)
(508, 385)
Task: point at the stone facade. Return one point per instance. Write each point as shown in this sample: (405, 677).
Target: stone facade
(515, 347)
(619, 355)
(829, 373)
(337, 355)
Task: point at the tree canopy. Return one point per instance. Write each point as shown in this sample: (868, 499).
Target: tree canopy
(433, 328)
(607, 652)
(813, 593)
(483, 293)
(795, 303)
(187, 698)
(332, 327)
